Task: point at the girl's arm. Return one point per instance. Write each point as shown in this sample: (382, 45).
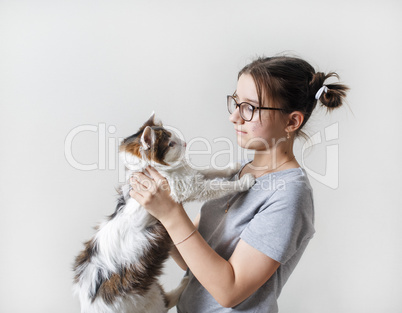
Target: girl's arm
(174, 253)
(229, 282)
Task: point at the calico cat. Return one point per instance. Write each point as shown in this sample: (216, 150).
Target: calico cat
(119, 267)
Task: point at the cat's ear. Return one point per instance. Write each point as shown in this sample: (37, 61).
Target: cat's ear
(147, 138)
(157, 121)
(152, 121)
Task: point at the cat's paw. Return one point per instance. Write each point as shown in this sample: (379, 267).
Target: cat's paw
(233, 169)
(247, 181)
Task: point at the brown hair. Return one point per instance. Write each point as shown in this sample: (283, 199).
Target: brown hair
(291, 83)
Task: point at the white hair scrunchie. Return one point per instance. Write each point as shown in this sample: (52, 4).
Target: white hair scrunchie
(320, 91)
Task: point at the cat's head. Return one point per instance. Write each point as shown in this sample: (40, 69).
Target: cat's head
(158, 145)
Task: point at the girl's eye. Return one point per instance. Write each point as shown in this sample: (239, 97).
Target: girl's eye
(250, 108)
(171, 144)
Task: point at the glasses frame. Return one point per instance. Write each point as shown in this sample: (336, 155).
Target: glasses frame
(229, 98)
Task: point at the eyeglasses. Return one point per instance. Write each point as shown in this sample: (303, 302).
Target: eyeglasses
(246, 109)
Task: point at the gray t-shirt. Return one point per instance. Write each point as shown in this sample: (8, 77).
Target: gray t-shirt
(276, 216)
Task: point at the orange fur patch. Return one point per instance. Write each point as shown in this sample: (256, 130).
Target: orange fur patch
(158, 150)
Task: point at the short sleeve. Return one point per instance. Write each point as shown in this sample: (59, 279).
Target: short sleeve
(283, 223)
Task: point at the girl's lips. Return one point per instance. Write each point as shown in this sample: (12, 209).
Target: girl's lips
(240, 132)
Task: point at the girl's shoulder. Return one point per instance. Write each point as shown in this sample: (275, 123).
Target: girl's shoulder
(296, 177)
(287, 187)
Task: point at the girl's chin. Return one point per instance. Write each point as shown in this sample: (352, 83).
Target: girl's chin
(252, 144)
(245, 144)
(241, 142)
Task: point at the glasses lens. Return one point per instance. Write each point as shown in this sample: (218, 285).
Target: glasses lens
(231, 104)
(246, 111)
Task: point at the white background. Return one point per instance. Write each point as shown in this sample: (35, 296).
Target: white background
(64, 64)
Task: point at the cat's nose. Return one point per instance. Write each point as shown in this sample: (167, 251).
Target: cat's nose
(185, 145)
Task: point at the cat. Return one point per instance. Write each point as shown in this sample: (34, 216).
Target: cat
(119, 267)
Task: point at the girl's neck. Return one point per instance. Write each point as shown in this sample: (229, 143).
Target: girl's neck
(271, 161)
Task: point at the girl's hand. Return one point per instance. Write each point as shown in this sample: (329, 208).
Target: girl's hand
(153, 193)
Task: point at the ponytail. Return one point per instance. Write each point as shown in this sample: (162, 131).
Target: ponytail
(333, 95)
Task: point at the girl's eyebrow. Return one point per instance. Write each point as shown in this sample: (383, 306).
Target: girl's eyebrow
(251, 100)
(235, 95)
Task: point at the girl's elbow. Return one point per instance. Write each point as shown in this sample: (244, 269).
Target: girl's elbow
(228, 301)
(226, 304)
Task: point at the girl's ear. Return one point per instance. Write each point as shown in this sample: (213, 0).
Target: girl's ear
(295, 120)
(147, 138)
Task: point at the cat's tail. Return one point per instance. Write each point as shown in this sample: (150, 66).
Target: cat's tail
(173, 296)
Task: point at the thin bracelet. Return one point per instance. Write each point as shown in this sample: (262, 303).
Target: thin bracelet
(176, 244)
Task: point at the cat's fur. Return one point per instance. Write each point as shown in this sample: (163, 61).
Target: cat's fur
(119, 268)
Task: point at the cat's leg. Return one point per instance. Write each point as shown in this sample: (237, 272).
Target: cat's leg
(153, 301)
(211, 189)
(172, 297)
(230, 171)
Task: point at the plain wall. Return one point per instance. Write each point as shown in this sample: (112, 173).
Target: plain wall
(105, 65)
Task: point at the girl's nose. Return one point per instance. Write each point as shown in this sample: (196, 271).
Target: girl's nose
(235, 117)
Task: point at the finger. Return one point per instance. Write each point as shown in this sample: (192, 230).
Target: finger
(140, 177)
(160, 180)
(136, 196)
(136, 188)
(141, 188)
(142, 198)
(142, 182)
(154, 173)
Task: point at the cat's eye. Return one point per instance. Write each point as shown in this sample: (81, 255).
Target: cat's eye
(171, 144)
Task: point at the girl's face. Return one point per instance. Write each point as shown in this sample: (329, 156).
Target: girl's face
(256, 134)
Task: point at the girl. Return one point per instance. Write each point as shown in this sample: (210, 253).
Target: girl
(242, 248)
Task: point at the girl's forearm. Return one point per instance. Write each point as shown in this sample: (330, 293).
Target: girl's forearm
(212, 271)
(174, 253)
